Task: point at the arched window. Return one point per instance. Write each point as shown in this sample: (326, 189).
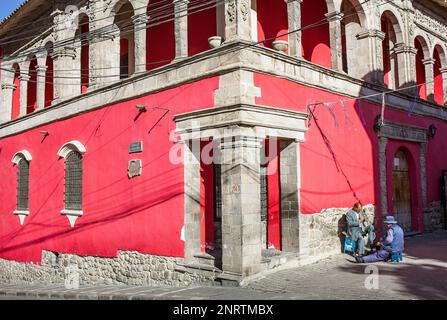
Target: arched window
(82, 33)
(73, 152)
(15, 112)
(421, 47)
(32, 87)
(123, 20)
(315, 41)
(272, 21)
(390, 26)
(160, 30)
(439, 57)
(49, 77)
(22, 161)
(202, 24)
(73, 181)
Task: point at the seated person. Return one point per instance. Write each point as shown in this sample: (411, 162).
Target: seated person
(358, 227)
(393, 243)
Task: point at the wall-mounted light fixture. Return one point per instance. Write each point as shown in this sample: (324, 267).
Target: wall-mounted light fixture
(378, 123)
(44, 133)
(432, 131)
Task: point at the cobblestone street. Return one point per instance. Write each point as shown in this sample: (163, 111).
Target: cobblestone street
(422, 275)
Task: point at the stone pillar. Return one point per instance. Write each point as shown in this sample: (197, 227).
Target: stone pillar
(192, 210)
(375, 44)
(429, 78)
(383, 142)
(41, 69)
(181, 29)
(405, 56)
(140, 24)
(425, 206)
(444, 84)
(236, 88)
(237, 20)
(66, 70)
(24, 79)
(6, 110)
(241, 204)
(294, 21)
(334, 19)
(104, 42)
(289, 162)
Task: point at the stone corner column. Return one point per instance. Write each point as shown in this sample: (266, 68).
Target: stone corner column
(236, 87)
(241, 204)
(192, 210)
(294, 23)
(181, 29)
(335, 19)
(375, 43)
(238, 20)
(289, 170)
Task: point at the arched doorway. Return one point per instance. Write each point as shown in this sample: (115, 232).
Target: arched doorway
(402, 190)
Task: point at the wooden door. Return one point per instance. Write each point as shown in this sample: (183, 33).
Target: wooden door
(402, 191)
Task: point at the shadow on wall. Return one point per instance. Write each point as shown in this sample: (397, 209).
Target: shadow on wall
(369, 113)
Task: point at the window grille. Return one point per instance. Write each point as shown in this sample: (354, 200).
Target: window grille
(264, 193)
(73, 181)
(23, 185)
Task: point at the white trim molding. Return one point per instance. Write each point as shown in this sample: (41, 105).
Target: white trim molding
(24, 154)
(22, 214)
(71, 146)
(72, 215)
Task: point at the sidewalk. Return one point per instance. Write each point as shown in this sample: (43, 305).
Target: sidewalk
(422, 275)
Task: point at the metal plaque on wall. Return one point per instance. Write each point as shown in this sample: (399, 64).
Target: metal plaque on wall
(136, 147)
(134, 168)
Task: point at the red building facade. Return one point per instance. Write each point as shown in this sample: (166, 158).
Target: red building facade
(205, 135)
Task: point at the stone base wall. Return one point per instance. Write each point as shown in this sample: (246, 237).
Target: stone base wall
(130, 268)
(436, 216)
(321, 233)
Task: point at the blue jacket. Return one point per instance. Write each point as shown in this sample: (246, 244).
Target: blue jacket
(394, 241)
(354, 228)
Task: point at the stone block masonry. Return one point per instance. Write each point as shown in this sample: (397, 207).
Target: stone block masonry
(130, 268)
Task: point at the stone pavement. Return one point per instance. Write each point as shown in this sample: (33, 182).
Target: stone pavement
(422, 275)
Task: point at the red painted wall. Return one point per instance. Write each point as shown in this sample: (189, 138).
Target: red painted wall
(49, 82)
(32, 87)
(351, 173)
(420, 70)
(272, 21)
(160, 36)
(201, 26)
(207, 198)
(315, 41)
(85, 60)
(439, 95)
(143, 214)
(274, 198)
(386, 52)
(16, 95)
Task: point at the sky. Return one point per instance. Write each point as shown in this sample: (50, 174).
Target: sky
(7, 6)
